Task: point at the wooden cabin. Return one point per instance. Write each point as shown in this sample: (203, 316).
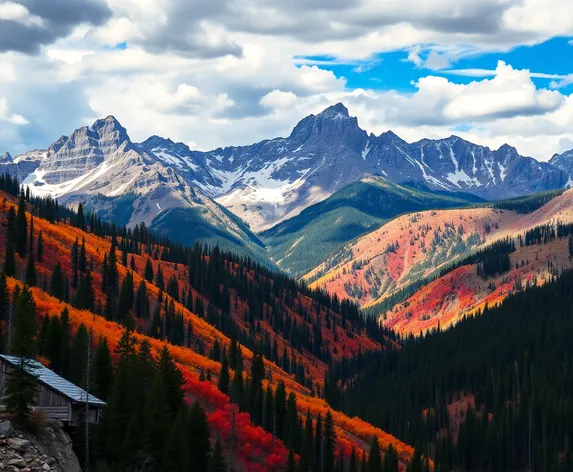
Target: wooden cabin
(58, 398)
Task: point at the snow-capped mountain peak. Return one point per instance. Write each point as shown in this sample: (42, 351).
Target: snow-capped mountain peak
(275, 179)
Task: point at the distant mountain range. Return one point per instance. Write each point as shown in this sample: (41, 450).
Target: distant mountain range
(226, 195)
(270, 181)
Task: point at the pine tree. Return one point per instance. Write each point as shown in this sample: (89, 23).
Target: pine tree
(255, 401)
(291, 433)
(223, 383)
(126, 297)
(217, 462)
(305, 462)
(159, 421)
(57, 282)
(4, 306)
(80, 219)
(141, 302)
(9, 260)
(173, 288)
(11, 224)
(198, 438)
(238, 386)
(21, 383)
(148, 271)
(353, 462)
(119, 407)
(146, 368)
(52, 348)
(77, 360)
(110, 310)
(112, 275)
(40, 247)
(65, 355)
(125, 348)
(175, 455)
(24, 330)
(82, 260)
(74, 259)
(391, 460)
(102, 370)
(31, 242)
(317, 464)
(291, 464)
(21, 236)
(375, 458)
(416, 463)
(268, 413)
(280, 409)
(88, 292)
(234, 353)
(159, 278)
(172, 381)
(104, 276)
(329, 442)
(31, 279)
(216, 351)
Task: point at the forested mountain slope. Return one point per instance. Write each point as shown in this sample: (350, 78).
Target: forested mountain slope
(301, 243)
(253, 347)
(395, 267)
(493, 393)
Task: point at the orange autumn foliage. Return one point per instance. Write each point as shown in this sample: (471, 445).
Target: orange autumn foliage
(254, 443)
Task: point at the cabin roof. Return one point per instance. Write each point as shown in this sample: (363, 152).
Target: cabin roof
(55, 382)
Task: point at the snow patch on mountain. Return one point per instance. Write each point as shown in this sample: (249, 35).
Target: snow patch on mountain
(276, 179)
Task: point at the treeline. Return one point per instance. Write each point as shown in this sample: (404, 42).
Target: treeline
(491, 260)
(513, 364)
(529, 203)
(539, 235)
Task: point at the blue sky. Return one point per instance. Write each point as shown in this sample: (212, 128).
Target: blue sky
(393, 70)
(233, 72)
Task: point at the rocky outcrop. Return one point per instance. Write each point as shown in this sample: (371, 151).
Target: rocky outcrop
(48, 449)
(564, 162)
(21, 166)
(87, 147)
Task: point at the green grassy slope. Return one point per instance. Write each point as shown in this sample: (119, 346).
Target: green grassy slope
(191, 225)
(304, 241)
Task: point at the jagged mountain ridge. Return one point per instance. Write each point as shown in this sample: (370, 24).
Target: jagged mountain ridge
(100, 166)
(564, 162)
(273, 180)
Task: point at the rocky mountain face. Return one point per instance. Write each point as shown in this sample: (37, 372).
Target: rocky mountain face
(100, 166)
(23, 165)
(564, 162)
(71, 157)
(267, 182)
(270, 181)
